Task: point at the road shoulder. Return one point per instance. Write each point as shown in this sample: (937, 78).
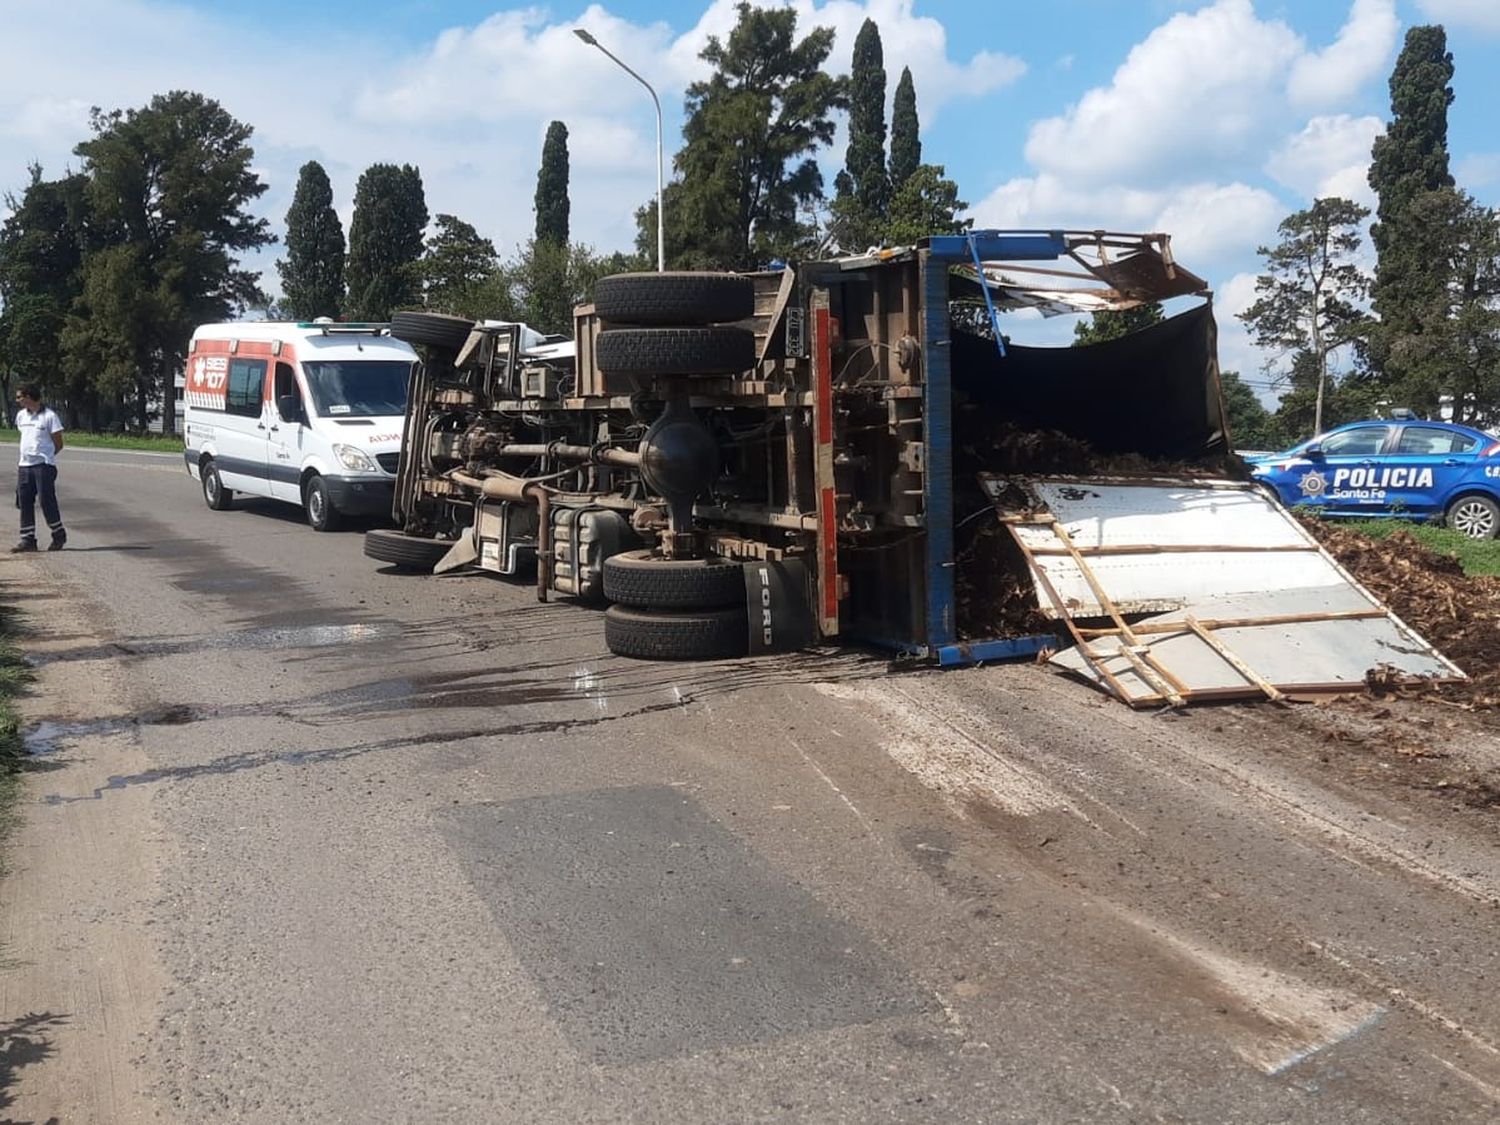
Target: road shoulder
(80, 979)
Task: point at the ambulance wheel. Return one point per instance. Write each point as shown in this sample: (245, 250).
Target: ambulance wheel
(1477, 517)
(635, 578)
(321, 513)
(405, 552)
(433, 330)
(691, 634)
(717, 350)
(674, 298)
(215, 495)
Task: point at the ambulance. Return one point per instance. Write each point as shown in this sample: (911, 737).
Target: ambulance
(310, 413)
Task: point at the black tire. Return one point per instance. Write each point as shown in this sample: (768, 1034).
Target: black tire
(433, 330)
(321, 514)
(676, 351)
(674, 298)
(215, 495)
(1477, 517)
(1269, 492)
(405, 552)
(692, 634)
(635, 578)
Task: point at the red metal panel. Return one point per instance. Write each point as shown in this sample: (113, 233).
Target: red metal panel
(828, 549)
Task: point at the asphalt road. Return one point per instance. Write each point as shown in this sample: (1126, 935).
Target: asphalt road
(360, 846)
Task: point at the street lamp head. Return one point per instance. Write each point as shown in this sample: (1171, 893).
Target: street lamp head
(586, 37)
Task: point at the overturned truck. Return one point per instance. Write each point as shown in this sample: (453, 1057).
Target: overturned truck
(743, 463)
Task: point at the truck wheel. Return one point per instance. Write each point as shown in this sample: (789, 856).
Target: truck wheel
(321, 513)
(1478, 517)
(635, 578)
(405, 552)
(676, 351)
(215, 495)
(674, 298)
(692, 634)
(434, 330)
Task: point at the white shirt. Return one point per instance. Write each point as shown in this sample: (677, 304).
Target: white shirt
(37, 446)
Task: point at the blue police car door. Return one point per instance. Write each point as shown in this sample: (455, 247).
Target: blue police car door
(1336, 476)
(1427, 462)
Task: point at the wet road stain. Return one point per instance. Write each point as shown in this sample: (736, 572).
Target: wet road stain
(269, 637)
(48, 736)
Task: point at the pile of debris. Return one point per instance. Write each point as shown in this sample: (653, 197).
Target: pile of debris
(993, 588)
(1457, 613)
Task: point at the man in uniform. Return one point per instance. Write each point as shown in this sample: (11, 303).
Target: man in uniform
(41, 441)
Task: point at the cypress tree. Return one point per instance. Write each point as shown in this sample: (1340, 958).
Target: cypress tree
(864, 177)
(1409, 161)
(906, 142)
(552, 187)
(385, 242)
(312, 273)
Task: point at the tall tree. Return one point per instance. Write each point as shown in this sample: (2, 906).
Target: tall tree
(169, 189)
(458, 263)
(552, 187)
(544, 281)
(385, 242)
(906, 141)
(312, 273)
(863, 187)
(1307, 300)
(753, 130)
(927, 203)
(42, 244)
(1249, 421)
(1111, 324)
(1456, 351)
(1408, 161)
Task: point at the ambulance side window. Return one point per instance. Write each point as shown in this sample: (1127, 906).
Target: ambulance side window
(247, 384)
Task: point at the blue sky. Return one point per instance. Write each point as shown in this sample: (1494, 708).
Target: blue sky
(1209, 120)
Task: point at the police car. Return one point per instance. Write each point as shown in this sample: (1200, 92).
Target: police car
(1397, 469)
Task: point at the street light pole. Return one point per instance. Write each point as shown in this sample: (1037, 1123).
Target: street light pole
(661, 241)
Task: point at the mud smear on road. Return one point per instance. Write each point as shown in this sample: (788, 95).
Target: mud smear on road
(48, 736)
(271, 637)
(601, 684)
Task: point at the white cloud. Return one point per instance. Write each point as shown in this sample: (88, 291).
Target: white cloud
(906, 39)
(1480, 170)
(1472, 15)
(1196, 89)
(1330, 156)
(1361, 52)
(1205, 220)
(1208, 222)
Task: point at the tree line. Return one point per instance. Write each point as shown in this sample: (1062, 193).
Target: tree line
(105, 271)
(1422, 332)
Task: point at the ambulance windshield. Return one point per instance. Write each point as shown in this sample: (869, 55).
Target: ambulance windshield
(358, 388)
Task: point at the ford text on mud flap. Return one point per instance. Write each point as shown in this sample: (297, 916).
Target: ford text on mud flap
(307, 413)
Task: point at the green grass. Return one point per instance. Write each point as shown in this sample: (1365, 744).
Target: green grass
(81, 440)
(1477, 556)
(15, 674)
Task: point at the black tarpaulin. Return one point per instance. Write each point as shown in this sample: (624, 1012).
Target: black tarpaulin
(1154, 392)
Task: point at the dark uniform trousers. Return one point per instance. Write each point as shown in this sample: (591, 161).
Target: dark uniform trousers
(38, 482)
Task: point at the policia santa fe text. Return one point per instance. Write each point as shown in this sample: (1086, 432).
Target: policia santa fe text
(41, 441)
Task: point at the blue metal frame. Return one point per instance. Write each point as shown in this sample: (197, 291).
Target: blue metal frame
(1012, 648)
(937, 479)
(942, 252)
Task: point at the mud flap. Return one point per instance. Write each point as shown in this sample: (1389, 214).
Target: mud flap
(462, 553)
(776, 598)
